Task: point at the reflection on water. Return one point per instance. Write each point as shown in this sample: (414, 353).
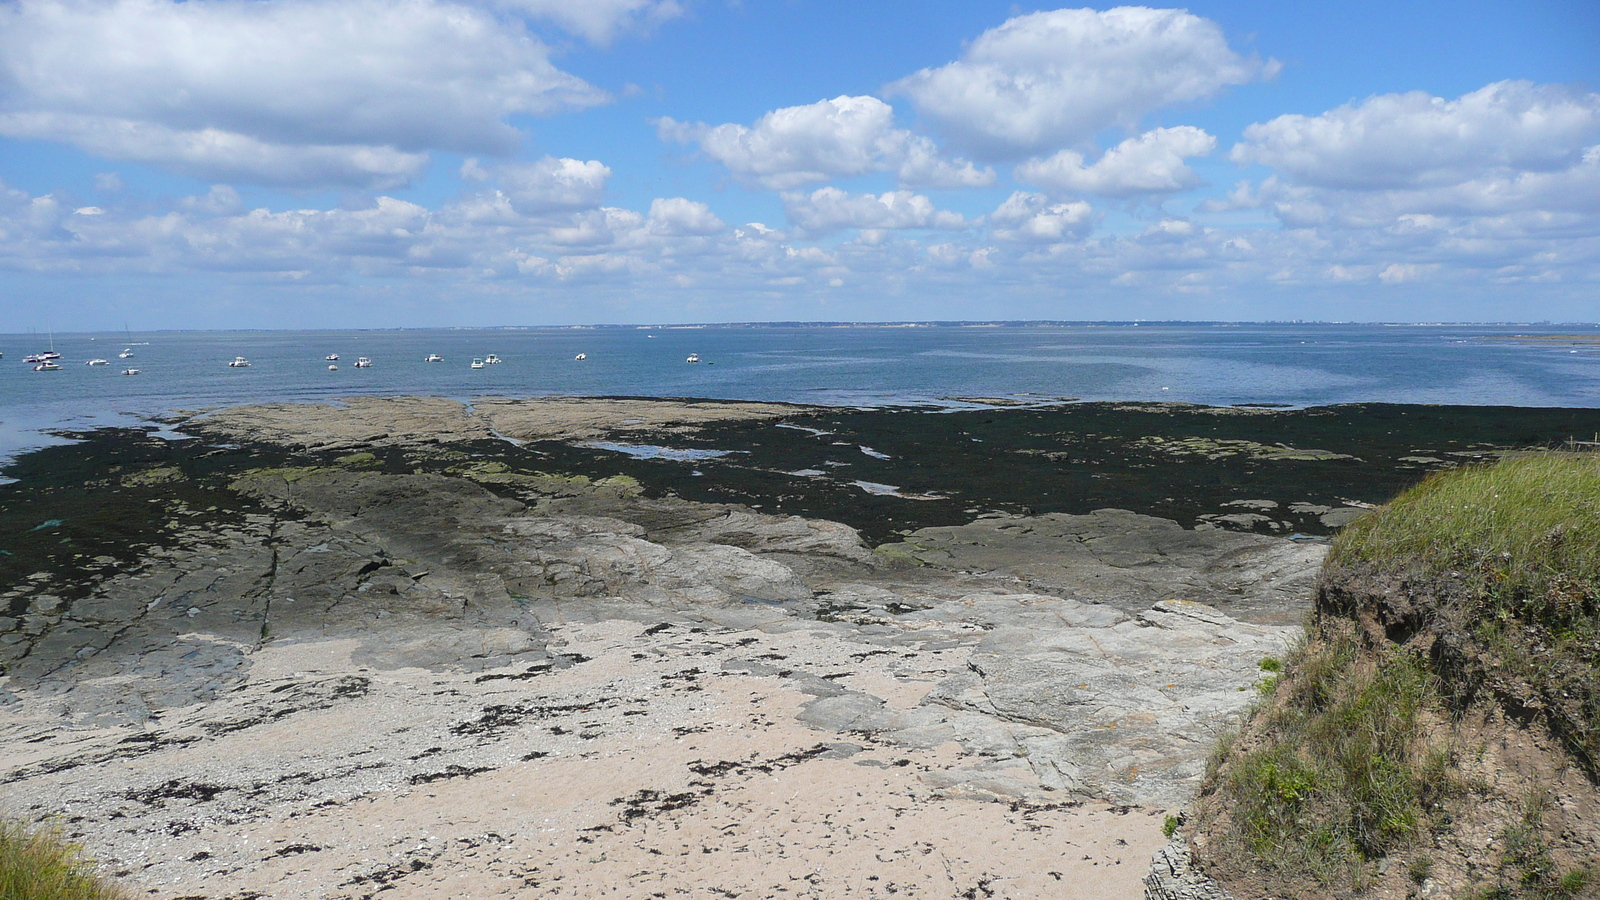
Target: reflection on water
(651, 451)
(1298, 365)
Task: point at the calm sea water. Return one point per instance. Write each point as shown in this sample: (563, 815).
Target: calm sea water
(1297, 365)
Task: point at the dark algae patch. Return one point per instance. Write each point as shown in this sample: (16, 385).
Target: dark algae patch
(1175, 461)
(105, 501)
(1437, 733)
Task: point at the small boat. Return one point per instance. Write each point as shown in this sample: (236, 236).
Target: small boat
(97, 362)
(693, 357)
(434, 357)
(239, 362)
(331, 357)
(477, 363)
(130, 371)
(47, 366)
(581, 356)
(332, 368)
(363, 363)
(491, 360)
(44, 356)
(126, 353)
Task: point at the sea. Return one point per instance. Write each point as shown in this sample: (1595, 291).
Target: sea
(934, 365)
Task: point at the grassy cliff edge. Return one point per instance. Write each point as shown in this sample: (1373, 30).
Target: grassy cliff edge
(1438, 731)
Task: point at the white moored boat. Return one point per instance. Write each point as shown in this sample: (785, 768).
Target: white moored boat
(434, 357)
(130, 371)
(477, 363)
(97, 362)
(581, 356)
(693, 357)
(363, 363)
(491, 360)
(331, 357)
(47, 366)
(239, 362)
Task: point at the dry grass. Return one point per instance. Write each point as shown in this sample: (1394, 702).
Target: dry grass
(38, 863)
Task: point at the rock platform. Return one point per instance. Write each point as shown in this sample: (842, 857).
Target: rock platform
(470, 682)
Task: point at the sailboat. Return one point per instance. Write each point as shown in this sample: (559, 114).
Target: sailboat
(45, 356)
(128, 350)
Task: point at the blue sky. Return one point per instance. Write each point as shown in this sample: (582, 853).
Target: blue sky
(376, 163)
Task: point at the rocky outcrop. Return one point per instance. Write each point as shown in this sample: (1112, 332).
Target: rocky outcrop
(409, 421)
(1173, 876)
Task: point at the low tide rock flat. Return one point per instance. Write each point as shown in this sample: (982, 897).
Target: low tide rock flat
(459, 680)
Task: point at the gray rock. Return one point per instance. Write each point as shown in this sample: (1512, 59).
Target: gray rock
(1173, 876)
(1343, 516)
(1130, 561)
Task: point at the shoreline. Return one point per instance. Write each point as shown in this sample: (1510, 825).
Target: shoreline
(395, 651)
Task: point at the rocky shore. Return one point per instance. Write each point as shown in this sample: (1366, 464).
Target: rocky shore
(415, 646)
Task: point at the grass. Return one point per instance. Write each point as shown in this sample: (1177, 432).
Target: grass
(1343, 774)
(40, 864)
(1521, 540)
(1343, 763)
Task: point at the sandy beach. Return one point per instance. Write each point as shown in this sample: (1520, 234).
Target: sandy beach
(368, 649)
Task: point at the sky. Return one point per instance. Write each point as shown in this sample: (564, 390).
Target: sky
(417, 163)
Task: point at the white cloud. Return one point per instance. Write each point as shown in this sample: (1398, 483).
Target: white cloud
(1169, 231)
(295, 92)
(1152, 163)
(220, 200)
(600, 21)
(217, 155)
(1416, 140)
(678, 216)
(547, 185)
(845, 136)
(1048, 80)
(830, 209)
(1031, 217)
(1509, 148)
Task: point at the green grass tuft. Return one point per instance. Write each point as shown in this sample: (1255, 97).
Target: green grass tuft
(40, 864)
(1344, 776)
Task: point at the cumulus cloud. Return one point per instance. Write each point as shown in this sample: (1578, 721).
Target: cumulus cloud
(830, 209)
(600, 21)
(678, 216)
(1415, 140)
(547, 185)
(799, 145)
(1509, 148)
(291, 92)
(1030, 217)
(1152, 163)
(1049, 80)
